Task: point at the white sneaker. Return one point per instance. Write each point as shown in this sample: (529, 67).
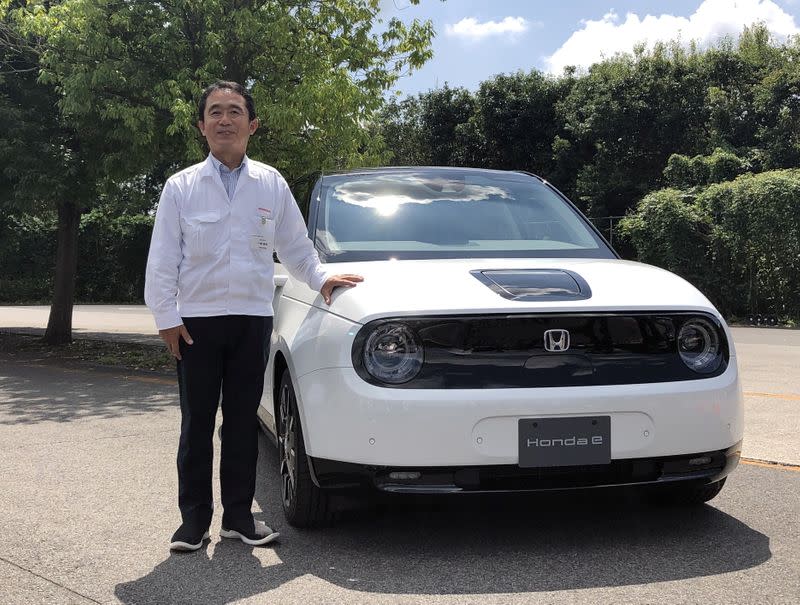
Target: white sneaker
(261, 534)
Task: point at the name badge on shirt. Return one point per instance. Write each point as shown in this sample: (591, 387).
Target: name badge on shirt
(260, 242)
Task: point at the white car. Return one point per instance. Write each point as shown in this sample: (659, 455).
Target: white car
(497, 343)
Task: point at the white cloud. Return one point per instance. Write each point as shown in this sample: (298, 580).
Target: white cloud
(712, 20)
(470, 29)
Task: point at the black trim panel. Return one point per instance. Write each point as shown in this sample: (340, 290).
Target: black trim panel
(331, 474)
(507, 351)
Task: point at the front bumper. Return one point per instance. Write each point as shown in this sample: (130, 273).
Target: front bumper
(330, 474)
(348, 420)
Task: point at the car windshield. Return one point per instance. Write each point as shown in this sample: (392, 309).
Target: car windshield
(448, 213)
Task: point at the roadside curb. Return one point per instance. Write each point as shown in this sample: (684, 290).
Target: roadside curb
(147, 361)
(140, 374)
(125, 337)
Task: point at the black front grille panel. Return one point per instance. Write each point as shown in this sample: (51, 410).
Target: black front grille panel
(508, 351)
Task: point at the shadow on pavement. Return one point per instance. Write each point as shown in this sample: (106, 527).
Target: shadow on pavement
(35, 394)
(466, 545)
(232, 573)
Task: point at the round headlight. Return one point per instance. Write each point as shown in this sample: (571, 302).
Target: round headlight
(393, 353)
(699, 345)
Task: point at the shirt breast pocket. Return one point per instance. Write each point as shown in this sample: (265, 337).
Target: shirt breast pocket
(204, 232)
(262, 240)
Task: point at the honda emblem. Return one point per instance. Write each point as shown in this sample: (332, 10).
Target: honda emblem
(556, 341)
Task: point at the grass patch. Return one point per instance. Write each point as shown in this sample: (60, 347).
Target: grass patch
(122, 355)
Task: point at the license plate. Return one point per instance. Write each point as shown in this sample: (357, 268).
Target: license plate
(570, 441)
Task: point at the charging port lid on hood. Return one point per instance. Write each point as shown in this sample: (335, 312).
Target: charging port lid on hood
(527, 285)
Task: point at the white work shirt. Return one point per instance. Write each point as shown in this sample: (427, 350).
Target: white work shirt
(213, 256)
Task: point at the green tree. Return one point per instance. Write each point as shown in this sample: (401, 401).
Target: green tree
(399, 125)
(684, 172)
(429, 128)
(776, 109)
(43, 165)
(734, 71)
(756, 240)
(668, 230)
(128, 74)
(442, 112)
(517, 118)
(625, 118)
(738, 241)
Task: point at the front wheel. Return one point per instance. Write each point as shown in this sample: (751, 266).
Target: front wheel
(304, 504)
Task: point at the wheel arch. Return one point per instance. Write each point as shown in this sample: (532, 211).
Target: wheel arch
(279, 366)
(283, 362)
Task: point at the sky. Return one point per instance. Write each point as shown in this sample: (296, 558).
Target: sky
(477, 39)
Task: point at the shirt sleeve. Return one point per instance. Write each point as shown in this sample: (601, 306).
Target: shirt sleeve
(163, 261)
(295, 250)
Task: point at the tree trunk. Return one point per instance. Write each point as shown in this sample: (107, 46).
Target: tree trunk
(59, 325)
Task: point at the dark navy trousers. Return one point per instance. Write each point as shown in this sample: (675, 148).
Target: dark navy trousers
(226, 362)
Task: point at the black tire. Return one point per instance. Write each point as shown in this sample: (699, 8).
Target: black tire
(304, 504)
(686, 495)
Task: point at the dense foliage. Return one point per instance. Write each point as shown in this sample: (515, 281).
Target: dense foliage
(112, 250)
(695, 147)
(106, 93)
(658, 135)
(27, 248)
(739, 241)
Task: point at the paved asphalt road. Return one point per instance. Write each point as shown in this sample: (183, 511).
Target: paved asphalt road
(87, 502)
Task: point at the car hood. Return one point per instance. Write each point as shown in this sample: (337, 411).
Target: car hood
(439, 287)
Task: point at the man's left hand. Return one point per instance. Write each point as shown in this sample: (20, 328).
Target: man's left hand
(346, 280)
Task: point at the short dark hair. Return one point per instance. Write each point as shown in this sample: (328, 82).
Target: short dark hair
(227, 85)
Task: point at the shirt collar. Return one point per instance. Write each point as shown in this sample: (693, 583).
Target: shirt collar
(218, 166)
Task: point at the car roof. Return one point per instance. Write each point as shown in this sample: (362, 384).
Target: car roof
(431, 169)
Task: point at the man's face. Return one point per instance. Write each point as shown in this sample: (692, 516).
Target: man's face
(226, 126)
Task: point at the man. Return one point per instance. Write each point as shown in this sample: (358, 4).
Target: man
(209, 284)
